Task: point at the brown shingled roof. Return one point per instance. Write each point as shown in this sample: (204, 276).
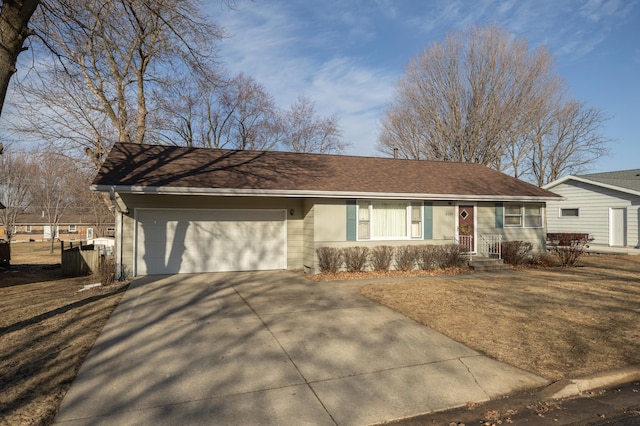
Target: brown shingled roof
(154, 166)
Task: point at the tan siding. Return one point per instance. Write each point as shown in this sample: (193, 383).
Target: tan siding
(294, 243)
(330, 221)
(444, 222)
(309, 256)
(487, 226)
(594, 204)
(127, 243)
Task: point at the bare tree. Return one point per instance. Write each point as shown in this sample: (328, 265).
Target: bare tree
(112, 60)
(253, 119)
(305, 131)
(15, 181)
(237, 113)
(93, 204)
(54, 181)
(14, 30)
(240, 114)
(468, 98)
(566, 142)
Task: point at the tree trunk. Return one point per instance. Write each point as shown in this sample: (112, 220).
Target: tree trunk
(14, 18)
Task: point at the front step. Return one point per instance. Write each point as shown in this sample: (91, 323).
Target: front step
(486, 264)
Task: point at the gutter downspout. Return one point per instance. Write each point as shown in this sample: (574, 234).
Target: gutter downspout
(119, 271)
(119, 235)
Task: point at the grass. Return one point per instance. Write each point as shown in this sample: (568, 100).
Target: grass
(47, 328)
(556, 322)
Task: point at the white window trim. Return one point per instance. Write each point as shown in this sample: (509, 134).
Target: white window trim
(72, 228)
(504, 216)
(522, 216)
(27, 229)
(408, 221)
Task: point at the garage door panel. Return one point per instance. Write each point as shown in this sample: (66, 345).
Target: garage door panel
(174, 241)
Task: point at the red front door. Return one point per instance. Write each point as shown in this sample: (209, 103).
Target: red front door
(466, 229)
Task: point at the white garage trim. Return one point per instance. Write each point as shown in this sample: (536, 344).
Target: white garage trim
(208, 240)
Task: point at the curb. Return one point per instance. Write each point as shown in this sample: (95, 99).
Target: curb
(568, 388)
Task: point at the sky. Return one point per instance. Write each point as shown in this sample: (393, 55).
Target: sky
(347, 56)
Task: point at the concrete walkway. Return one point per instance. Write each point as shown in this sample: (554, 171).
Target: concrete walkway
(602, 249)
(272, 348)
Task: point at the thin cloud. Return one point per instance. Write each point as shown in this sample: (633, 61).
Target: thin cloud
(270, 45)
(603, 10)
(338, 53)
(568, 30)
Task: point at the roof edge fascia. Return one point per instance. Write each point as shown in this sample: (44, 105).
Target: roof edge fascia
(146, 190)
(590, 182)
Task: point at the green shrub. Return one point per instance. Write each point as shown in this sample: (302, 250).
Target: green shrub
(381, 257)
(355, 258)
(329, 259)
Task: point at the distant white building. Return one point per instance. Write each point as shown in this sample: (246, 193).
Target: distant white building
(605, 205)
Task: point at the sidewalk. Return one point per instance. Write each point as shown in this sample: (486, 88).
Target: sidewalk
(602, 249)
(613, 405)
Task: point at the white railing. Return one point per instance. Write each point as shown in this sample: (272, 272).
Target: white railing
(491, 246)
(466, 241)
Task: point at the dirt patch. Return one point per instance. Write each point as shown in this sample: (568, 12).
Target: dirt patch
(556, 322)
(47, 328)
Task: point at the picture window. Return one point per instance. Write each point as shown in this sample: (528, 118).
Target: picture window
(389, 220)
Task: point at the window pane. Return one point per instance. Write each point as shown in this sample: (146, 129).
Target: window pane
(416, 229)
(533, 211)
(363, 230)
(533, 216)
(416, 213)
(363, 211)
(533, 221)
(513, 220)
(416, 221)
(511, 209)
(569, 212)
(389, 220)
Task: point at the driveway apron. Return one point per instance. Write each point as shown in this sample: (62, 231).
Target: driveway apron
(271, 348)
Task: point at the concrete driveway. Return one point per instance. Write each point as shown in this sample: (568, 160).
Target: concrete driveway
(271, 348)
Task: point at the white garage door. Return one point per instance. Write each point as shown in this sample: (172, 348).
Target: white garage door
(189, 241)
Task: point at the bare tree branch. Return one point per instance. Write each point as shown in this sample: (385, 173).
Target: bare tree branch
(112, 62)
(305, 131)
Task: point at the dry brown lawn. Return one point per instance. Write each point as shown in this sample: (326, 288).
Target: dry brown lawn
(46, 330)
(556, 322)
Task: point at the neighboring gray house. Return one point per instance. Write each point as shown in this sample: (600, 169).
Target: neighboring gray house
(605, 205)
(185, 210)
